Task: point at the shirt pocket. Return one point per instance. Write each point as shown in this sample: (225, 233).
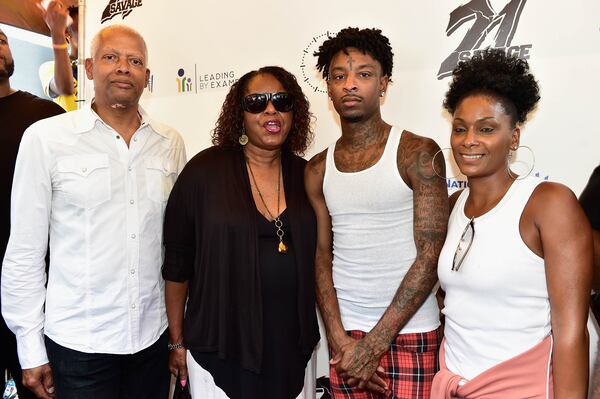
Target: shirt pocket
(160, 177)
(84, 180)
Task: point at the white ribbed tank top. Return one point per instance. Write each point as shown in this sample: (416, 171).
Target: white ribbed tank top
(496, 304)
(373, 245)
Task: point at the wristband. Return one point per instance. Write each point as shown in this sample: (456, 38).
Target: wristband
(178, 345)
(60, 46)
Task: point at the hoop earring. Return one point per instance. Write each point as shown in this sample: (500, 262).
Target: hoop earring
(433, 165)
(510, 156)
(243, 139)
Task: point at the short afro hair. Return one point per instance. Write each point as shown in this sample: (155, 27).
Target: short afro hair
(492, 72)
(369, 41)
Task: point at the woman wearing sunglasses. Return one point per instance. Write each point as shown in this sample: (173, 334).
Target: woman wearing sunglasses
(240, 244)
(516, 265)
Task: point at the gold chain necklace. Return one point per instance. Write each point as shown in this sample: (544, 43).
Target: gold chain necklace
(282, 248)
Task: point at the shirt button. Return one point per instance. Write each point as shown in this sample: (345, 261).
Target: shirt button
(131, 202)
(135, 139)
(84, 170)
(133, 236)
(132, 272)
(129, 168)
(117, 137)
(133, 306)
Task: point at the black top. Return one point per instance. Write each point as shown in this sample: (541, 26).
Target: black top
(590, 199)
(17, 112)
(211, 240)
(283, 363)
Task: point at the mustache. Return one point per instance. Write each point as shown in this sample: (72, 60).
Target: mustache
(352, 97)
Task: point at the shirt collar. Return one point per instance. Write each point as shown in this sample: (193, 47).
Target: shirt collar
(86, 118)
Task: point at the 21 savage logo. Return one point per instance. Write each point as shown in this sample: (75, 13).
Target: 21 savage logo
(116, 7)
(489, 29)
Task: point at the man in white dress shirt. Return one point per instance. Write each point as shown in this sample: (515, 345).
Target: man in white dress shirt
(94, 182)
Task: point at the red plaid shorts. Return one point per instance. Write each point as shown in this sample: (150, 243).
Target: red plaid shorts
(409, 365)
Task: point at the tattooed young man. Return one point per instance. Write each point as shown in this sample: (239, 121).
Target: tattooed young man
(381, 215)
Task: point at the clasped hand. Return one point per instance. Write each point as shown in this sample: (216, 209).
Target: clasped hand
(357, 363)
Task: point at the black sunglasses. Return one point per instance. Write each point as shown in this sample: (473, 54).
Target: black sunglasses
(464, 244)
(256, 103)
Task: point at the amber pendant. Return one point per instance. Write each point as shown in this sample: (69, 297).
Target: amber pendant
(282, 248)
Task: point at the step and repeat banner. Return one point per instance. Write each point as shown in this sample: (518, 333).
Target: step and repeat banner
(197, 50)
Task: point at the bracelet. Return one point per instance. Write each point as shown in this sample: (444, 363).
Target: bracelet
(60, 46)
(178, 345)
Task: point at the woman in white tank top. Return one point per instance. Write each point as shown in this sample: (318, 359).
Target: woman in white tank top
(517, 263)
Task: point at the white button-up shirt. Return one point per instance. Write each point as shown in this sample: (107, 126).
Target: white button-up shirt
(101, 204)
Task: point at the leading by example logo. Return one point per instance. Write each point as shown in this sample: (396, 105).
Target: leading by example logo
(116, 7)
(485, 21)
(184, 82)
(190, 80)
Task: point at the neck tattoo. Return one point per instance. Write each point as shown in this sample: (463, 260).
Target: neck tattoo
(281, 248)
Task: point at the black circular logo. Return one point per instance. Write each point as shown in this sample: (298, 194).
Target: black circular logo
(310, 75)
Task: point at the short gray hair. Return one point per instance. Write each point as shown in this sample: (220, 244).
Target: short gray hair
(118, 27)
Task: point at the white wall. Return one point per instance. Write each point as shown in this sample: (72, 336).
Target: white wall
(234, 37)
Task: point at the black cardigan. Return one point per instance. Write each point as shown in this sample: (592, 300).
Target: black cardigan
(211, 240)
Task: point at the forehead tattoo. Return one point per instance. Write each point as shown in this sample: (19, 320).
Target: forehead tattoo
(350, 60)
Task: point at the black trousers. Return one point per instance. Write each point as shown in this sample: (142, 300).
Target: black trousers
(79, 375)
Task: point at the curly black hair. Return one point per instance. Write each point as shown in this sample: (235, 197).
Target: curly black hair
(73, 11)
(494, 73)
(229, 125)
(369, 41)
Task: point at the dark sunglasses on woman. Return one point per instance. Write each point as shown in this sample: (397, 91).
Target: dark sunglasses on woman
(257, 102)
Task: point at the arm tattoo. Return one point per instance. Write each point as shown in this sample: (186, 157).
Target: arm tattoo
(430, 198)
(325, 292)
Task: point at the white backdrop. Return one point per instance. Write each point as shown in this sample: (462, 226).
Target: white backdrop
(211, 39)
(211, 43)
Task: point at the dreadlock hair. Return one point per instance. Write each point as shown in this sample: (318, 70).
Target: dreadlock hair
(368, 41)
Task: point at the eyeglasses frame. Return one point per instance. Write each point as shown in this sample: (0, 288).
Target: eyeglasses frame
(471, 225)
